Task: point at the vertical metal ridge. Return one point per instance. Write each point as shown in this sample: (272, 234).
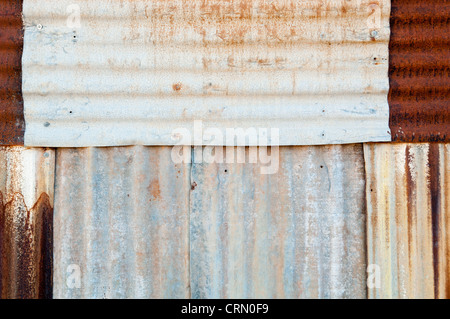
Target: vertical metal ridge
(26, 222)
(121, 216)
(408, 195)
(299, 233)
(419, 71)
(12, 123)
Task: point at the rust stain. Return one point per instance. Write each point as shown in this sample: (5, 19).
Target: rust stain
(419, 71)
(434, 176)
(155, 190)
(26, 241)
(177, 87)
(12, 123)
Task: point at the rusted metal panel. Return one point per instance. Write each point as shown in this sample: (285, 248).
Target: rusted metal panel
(121, 224)
(110, 73)
(12, 123)
(299, 233)
(408, 222)
(26, 215)
(419, 72)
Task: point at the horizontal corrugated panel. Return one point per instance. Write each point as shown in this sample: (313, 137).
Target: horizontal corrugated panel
(132, 72)
(419, 72)
(299, 233)
(26, 214)
(121, 224)
(408, 192)
(12, 125)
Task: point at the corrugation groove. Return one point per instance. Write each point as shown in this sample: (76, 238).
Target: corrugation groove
(299, 233)
(12, 124)
(408, 192)
(419, 71)
(121, 219)
(26, 222)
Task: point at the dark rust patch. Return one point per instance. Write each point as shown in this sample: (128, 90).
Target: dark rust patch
(410, 189)
(419, 96)
(12, 123)
(433, 161)
(26, 242)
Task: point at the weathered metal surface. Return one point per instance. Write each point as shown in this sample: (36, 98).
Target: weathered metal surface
(419, 71)
(121, 223)
(12, 123)
(26, 214)
(133, 71)
(299, 233)
(408, 192)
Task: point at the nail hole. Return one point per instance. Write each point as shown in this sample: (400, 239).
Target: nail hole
(46, 124)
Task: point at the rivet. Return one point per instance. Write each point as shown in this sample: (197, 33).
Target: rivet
(46, 124)
(374, 33)
(39, 26)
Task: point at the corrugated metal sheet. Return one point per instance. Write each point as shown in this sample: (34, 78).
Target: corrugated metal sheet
(26, 214)
(121, 219)
(419, 72)
(408, 191)
(12, 125)
(137, 225)
(133, 71)
(299, 233)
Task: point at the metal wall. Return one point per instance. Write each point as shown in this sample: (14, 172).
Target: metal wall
(134, 71)
(299, 233)
(138, 225)
(408, 219)
(12, 125)
(122, 220)
(26, 215)
(419, 72)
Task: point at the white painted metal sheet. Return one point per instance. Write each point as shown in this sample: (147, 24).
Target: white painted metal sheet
(132, 72)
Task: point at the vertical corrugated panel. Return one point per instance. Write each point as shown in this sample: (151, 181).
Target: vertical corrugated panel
(419, 71)
(121, 219)
(408, 191)
(12, 124)
(132, 71)
(299, 233)
(26, 214)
